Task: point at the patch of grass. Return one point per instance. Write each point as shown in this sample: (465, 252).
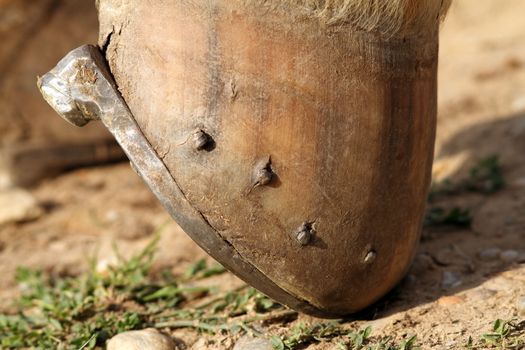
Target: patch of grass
(485, 177)
(83, 312)
(80, 312)
(341, 337)
(504, 335)
(201, 270)
(305, 334)
(65, 314)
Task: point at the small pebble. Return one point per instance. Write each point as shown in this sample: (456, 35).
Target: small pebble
(250, 343)
(509, 256)
(489, 254)
(450, 300)
(147, 339)
(450, 280)
(18, 205)
(104, 265)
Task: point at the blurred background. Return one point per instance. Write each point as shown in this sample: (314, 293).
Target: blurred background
(64, 194)
(34, 143)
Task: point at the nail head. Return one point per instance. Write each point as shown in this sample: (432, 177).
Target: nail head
(304, 234)
(370, 257)
(200, 140)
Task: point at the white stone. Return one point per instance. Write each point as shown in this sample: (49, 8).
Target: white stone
(17, 205)
(105, 264)
(147, 339)
(250, 343)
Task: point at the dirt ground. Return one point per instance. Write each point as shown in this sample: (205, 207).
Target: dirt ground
(455, 288)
